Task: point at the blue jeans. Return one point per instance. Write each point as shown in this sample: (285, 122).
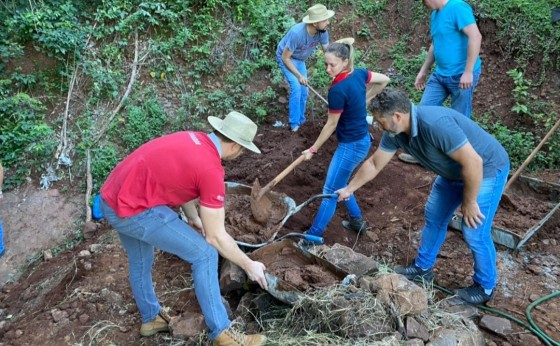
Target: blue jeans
(445, 197)
(345, 160)
(439, 87)
(161, 227)
(298, 92)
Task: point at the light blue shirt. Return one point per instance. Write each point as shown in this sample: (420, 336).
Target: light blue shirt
(298, 41)
(437, 132)
(450, 43)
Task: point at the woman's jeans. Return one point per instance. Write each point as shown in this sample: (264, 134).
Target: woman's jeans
(439, 87)
(161, 227)
(345, 160)
(298, 92)
(445, 197)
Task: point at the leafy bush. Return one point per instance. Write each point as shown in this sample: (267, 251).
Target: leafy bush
(103, 160)
(52, 27)
(26, 141)
(143, 122)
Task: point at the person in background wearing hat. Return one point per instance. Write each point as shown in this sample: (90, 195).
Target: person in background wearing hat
(181, 169)
(347, 117)
(2, 250)
(292, 51)
(455, 50)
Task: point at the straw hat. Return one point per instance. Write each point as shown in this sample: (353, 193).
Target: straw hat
(346, 40)
(317, 13)
(238, 128)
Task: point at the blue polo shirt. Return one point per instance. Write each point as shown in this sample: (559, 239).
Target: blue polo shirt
(450, 43)
(437, 132)
(348, 98)
(298, 41)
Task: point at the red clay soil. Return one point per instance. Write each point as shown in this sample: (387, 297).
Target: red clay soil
(74, 299)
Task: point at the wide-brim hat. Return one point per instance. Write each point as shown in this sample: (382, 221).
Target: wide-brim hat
(317, 13)
(346, 40)
(238, 128)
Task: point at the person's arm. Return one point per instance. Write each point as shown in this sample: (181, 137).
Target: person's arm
(369, 170)
(216, 235)
(471, 171)
(326, 132)
(193, 218)
(286, 58)
(420, 82)
(377, 83)
(473, 50)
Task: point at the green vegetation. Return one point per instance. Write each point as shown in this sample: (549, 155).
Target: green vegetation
(198, 58)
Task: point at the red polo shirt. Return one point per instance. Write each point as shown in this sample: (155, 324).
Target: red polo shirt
(169, 170)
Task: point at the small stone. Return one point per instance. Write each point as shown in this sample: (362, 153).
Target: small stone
(95, 248)
(84, 318)
(19, 333)
(87, 266)
(84, 253)
(47, 255)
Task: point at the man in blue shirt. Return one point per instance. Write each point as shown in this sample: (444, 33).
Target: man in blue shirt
(455, 51)
(292, 51)
(472, 168)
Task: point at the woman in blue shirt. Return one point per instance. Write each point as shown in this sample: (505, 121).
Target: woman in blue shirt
(347, 117)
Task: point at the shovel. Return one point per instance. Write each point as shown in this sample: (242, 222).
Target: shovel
(261, 203)
(505, 198)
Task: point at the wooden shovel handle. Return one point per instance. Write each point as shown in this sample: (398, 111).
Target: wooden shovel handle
(532, 155)
(281, 176)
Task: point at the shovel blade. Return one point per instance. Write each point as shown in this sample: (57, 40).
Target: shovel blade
(260, 205)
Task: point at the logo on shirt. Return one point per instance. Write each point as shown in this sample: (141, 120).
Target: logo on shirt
(193, 138)
(220, 198)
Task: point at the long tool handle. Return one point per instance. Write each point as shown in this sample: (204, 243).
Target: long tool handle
(314, 198)
(316, 93)
(280, 176)
(532, 155)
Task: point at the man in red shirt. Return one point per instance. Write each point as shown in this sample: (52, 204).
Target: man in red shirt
(181, 169)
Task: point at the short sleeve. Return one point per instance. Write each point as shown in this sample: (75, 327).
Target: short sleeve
(464, 15)
(336, 101)
(324, 38)
(388, 143)
(212, 189)
(446, 135)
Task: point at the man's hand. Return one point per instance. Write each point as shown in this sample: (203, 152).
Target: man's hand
(420, 82)
(196, 223)
(302, 80)
(472, 215)
(343, 194)
(255, 271)
(466, 80)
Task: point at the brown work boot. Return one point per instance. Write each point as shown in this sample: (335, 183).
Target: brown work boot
(231, 337)
(158, 324)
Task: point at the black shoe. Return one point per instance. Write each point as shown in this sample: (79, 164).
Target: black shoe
(356, 224)
(474, 294)
(415, 273)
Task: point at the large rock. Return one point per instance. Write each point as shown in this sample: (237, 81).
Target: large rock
(467, 335)
(498, 325)
(232, 277)
(395, 289)
(185, 327)
(349, 260)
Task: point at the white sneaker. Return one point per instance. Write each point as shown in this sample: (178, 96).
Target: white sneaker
(408, 158)
(295, 129)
